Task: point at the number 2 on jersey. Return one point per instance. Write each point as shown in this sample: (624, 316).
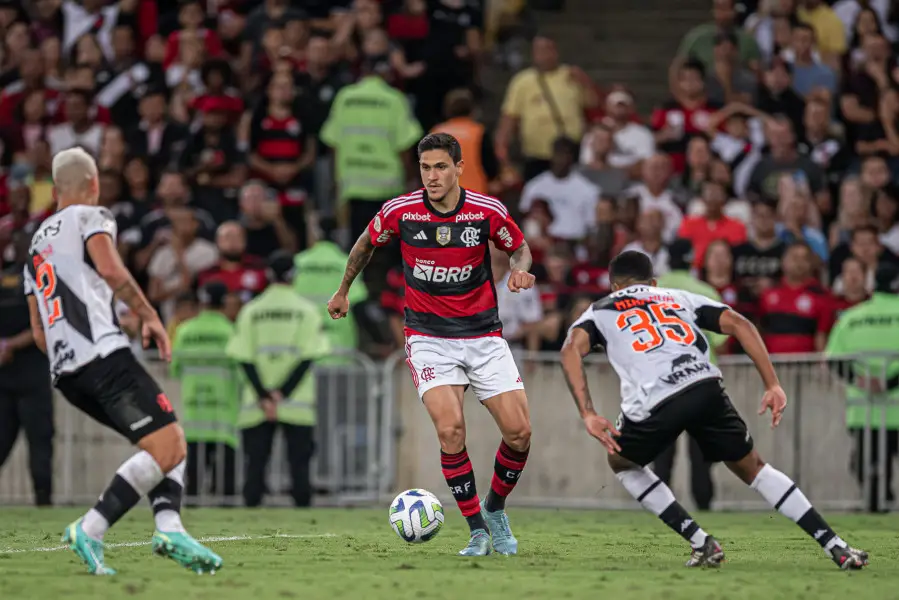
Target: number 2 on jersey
(46, 284)
(653, 327)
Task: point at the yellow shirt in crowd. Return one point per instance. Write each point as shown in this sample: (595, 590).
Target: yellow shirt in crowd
(830, 35)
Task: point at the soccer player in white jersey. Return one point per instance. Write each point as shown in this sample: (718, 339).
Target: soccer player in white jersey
(72, 277)
(654, 342)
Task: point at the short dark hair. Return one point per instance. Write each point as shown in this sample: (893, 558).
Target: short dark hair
(566, 144)
(805, 26)
(872, 229)
(631, 266)
(799, 244)
(441, 141)
(694, 65)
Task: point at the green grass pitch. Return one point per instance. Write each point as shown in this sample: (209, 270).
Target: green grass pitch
(353, 553)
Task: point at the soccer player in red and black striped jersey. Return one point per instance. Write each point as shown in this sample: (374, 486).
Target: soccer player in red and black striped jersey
(453, 332)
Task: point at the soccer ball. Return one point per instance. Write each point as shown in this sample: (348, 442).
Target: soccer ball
(416, 516)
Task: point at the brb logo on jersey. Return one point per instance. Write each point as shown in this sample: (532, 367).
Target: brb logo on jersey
(426, 270)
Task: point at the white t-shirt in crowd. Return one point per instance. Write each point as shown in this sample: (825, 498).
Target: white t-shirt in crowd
(199, 256)
(659, 258)
(572, 201)
(631, 144)
(63, 136)
(664, 203)
(517, 310)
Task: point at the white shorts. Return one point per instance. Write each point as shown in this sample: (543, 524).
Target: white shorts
(485, 363)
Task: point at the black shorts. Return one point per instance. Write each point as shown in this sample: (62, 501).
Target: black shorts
(704, 411)
(118, 392)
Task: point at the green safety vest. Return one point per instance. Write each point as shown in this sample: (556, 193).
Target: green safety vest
(210, 382)
(683, 280)
(872, 326)
(319, 272)
(370, 125)
(276, 331)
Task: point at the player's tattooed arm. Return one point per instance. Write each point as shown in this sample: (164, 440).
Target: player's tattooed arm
(521, 259)
(129, 292)
(359, 257)
(576, 347)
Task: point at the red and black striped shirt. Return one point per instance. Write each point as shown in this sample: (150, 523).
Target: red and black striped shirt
(446, 261)
(279, 140)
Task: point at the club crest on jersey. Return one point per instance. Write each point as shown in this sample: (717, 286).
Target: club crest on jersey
(471, 236)
(443, 235)
(378, 223)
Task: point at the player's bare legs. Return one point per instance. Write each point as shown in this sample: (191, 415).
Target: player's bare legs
(657, 498)
(781, 492)
(444, 405)
(510, 411)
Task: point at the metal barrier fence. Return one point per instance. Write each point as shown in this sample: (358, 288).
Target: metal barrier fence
(373, 438)
(351, 464)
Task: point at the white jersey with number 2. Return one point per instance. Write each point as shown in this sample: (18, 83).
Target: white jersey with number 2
(654, 341)
(75, 303)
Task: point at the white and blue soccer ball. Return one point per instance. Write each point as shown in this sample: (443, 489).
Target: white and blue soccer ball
(416, 516)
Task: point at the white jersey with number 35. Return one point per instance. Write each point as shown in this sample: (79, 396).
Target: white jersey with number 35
(654, 341)
(75, 303)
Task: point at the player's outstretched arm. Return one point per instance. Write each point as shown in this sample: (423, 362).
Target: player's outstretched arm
(520, 263)
(339, 304)
(775, 400)
(110, 267)
(576, 347)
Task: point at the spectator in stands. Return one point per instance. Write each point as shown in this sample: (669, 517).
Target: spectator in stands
(861, 94)
(571, 197)
(880, 136)
(262, 220)
(685, 115)
(828, 29)
(283, 150)
(598, 169)
(757, 262)
(243, 274)
(155, 136)
(269, 12)
(822, 143)
(79, 129)
(851, 287)
(795, 207)
(728, 80)
(653, 193)
(371, 129)
(797, 313)
(543, 103)
(712, 224)
(875, 175)
(632, 142)
(212, 162)
(867, 16)
(481, 166)
(809, 73)
(784, 159)
(777, 97)
(697, 170)
(718, 270)
(761, 24)
(854, 211)
(176, 263)
(866, 247)
(699, 43)
(32, 78)
(650, 224)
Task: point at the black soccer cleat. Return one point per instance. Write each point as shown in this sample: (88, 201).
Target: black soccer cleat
(709, 555)
(849, 559)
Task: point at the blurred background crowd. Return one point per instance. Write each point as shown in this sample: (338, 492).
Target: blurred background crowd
(229, 130)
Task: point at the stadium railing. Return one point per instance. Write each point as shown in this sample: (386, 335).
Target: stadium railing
(567, 468)
(353, 447)
(373, 439)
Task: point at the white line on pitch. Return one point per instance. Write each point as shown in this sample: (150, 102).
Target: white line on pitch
(232, 538)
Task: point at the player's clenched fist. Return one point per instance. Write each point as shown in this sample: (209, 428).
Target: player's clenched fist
(338, 306)
(519, 280)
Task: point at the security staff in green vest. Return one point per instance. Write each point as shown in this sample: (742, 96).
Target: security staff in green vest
(278, 337)
(210, 388)
(318, 272)
(871, 327)
(680, 254)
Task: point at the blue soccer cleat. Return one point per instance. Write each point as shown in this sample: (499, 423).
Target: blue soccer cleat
(478, 545)
(503, 540)
(88, 549)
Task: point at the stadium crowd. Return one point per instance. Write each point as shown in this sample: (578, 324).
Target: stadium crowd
(228, 130)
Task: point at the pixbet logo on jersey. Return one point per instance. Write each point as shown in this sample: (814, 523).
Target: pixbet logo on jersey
(426, 270)
(478, 216)
(415, 217)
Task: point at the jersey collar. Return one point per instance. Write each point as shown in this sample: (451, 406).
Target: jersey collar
(435, 212)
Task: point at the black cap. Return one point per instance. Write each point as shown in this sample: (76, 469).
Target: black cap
(213, 294)
(281, 266)
(680, 254)
(725, 35)
(886, 278)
